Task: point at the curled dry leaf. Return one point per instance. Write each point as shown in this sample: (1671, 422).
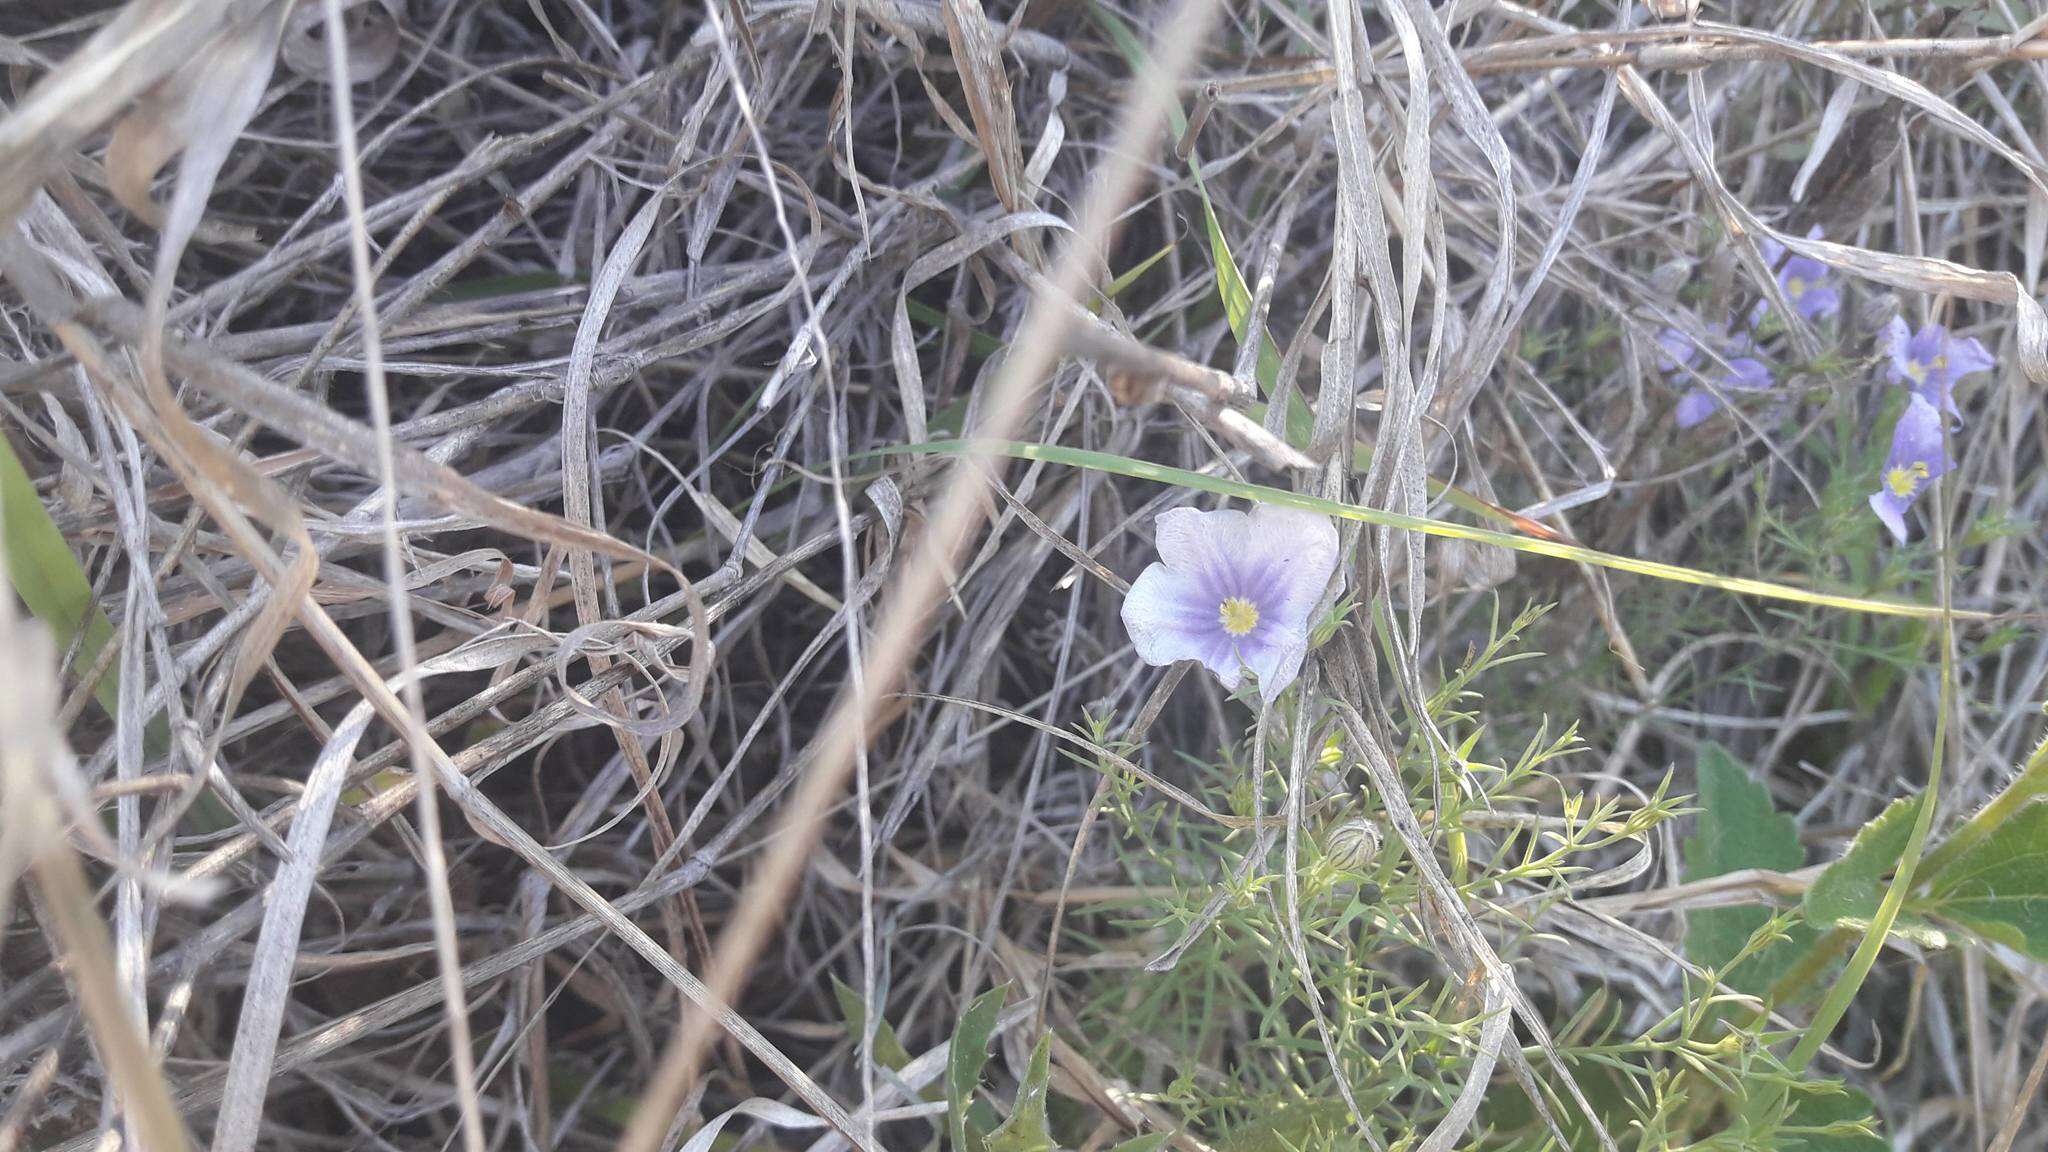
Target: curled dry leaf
(199, 109)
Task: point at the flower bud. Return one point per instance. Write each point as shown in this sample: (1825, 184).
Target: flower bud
(1354, 844)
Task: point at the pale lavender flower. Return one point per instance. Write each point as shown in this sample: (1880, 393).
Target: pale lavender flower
(1803, 279)
(1678, 352)
(1930, 362)
(1916, 459)
(1233, 591)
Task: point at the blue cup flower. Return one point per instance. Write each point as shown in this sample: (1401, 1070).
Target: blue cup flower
(1917, 458)
(1930, 362)
(1234, 591)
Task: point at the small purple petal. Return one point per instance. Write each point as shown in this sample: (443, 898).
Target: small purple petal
(1291, 556)
(1275, 664)
(1931, 360)
(1675, 350)
(1891, 512)
(1813, 298)
(1916, 440)
(1916, 459)
(1967, 357)
(1802, 279)
(1896, 339)
(1695, 407)
(1203, 545)
(1925, 345)
(1746, 374)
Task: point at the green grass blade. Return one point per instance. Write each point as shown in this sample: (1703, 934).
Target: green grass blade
(48, 577)
(1230, 283)
(1556, 549)
(1117, 286)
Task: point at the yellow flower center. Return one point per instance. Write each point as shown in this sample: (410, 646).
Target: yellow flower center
(1902, 481)
(1795, 287)
(1239, 615)
(1916, 371)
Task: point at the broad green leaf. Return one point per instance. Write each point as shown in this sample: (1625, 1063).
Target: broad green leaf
(1237, 300)
(1999, 887)
(1027, 1130)
(1557, 549)
(965, 1058)
(48, 577)
(1847, 893)
(1738, 828)
(889, 1051)
(1851, 887)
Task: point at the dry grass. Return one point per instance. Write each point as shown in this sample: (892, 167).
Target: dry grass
(517, 680)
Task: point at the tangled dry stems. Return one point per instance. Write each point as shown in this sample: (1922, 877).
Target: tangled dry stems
(599, 336)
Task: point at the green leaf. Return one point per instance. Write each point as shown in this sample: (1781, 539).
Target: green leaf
(965, 1058)
(1848, 892)
(1738, 828)
(1132, 276)
(1027, 1130)
(53, 584)
(1850, 888)
(1230, 285)
(889, 1051)
(1149, 1142)
(49, 578)
(1237, 297)
(1999, 886)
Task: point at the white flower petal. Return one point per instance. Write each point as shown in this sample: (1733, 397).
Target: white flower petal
(1279, 559)
(1295, 553)
(1164, 613)
(1276, 666)
(1205, 546)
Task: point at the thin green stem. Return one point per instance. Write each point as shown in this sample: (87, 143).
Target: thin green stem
(1838, 998)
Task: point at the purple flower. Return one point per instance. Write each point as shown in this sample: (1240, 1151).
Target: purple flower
(1233, 591)
(1677, 352)
(1916, 459)
(1744, 375)
(1803, 279)
(1930, 362)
